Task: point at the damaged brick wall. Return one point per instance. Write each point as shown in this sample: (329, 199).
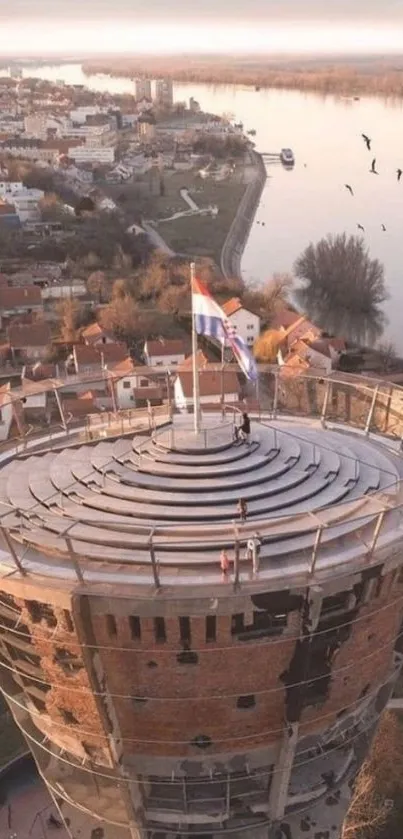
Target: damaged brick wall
(151, 670)
(53, 676)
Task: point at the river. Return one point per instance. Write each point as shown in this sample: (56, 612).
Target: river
(306, 203)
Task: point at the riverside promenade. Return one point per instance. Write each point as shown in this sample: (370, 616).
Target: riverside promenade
(237, 237)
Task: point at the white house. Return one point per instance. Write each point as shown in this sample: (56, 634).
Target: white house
(211, 387)
(127, 383)
(25, 200)
(245, 322)
(6, 411)
(164, 353)
(92, 154)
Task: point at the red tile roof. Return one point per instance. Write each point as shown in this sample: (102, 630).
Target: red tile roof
(112, 352)
(210, 383)
(17, 298)
(93, 333)
(187, 364)
(32, 335)
(79, 407)
(284, 318)
(165, 347)
(233, 305)
(97, 355)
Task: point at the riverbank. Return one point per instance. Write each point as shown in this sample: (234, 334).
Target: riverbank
(348, 77)
(238, 234)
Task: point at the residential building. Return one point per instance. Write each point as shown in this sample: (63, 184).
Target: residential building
(25, 200)
(214, 388)
(79, 115)
(245, 322)
(320, 357)
(35, 125)
(144, 105)
(19, 301)
(96, 334)
(146, 127)
(129, 382)
(9, 219)
(164, 352)
(92, 154)
(142, 89)
(29, 342)
(88, 358)
(294, 326)
(164, 92)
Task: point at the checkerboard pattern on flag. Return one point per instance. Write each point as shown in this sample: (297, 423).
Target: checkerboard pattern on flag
(211, 320)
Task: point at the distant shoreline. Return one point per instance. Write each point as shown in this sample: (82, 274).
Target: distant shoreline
(355, 77)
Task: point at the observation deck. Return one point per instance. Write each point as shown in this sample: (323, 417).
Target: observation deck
(157, 508)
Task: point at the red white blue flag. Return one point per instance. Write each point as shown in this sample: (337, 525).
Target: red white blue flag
(211, 320)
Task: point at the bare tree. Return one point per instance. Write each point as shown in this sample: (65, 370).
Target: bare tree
(122, 317)
(69, 312)
(276, 292)
(97, 284)
(343, 289)
(387, 354)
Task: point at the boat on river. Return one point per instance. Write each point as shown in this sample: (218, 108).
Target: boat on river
(287, 157)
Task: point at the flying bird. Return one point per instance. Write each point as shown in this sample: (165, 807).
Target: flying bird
(373, 167)
(360, 227)
(383, 227)
(350, 188)
(367, 141)
(399, 173)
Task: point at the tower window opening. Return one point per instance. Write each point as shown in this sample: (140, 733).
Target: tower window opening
(135, 627)
(111, 627)
(263, 624)
(210, 628)
(184, 630)
(159, 630)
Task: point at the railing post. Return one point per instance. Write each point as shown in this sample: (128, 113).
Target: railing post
(315, 549)
(73, 557)
(60, 408)
(236, 557)
(371, 410)
(168, 387)
(275, 398)
(154, 562)
(377, 530)
(113, 394)
(13, 552)
(325, 403)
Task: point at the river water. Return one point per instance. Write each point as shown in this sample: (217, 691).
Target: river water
(309, 201)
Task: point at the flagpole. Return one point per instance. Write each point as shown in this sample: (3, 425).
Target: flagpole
(196, 391)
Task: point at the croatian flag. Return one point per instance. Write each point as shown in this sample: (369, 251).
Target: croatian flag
(211, 320)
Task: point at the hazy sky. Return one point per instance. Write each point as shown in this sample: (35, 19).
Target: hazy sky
(364, 10)
(40, 27)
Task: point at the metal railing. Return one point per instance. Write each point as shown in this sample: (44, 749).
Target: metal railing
(368, 405)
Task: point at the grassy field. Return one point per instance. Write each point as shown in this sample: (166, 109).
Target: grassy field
(193, 235)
